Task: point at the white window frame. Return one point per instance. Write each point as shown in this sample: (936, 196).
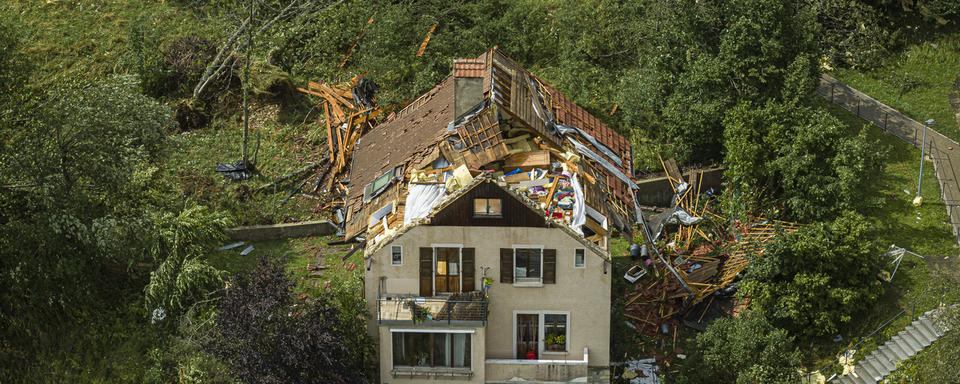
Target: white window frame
(541, 331)
(433, 273)
(469, 332)
(516, 281)
(392, 261)
(584, 265)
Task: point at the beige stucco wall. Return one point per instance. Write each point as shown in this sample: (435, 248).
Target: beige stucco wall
(476, 359)
(584, 293)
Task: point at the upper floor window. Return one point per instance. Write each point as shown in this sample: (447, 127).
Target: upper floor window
(483, 207)
(579, 258)
(528, 265)
(396, 255)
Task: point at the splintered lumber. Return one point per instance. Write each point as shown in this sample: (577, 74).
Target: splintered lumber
(426, 40)
(527, 160)
(356, 41)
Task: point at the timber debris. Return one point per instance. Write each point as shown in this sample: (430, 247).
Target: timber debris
(691, 255)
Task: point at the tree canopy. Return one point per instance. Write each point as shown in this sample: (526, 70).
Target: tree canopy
(266, 336)
(747, 349)
(795, 159)
(813, 281)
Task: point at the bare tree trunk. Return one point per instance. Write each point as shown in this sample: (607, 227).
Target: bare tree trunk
(246, 89)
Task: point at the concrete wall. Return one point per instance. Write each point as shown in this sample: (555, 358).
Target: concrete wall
(657, 191)
(502, 373)
(583, 293)
(282, 231)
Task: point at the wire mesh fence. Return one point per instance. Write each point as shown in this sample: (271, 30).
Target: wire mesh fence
(937, 147)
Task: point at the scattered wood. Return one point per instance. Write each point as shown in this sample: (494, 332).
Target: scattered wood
(426, 40)
(356, 41)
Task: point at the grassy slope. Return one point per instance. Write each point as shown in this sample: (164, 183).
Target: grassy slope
(931, 66)
(80, 39)
(76, 40)
(87, 41)
(924, 230)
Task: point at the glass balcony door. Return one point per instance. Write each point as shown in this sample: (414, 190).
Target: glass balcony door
(446, 269)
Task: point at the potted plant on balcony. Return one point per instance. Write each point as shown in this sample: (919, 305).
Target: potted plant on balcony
(555, 343)
(420, 314)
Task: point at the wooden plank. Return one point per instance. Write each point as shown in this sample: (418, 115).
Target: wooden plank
(426, 40)
(528, 160)
(326, 114)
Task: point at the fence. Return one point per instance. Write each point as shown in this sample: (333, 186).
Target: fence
(938, 146)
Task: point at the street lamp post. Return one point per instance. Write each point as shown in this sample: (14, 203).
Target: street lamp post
(923, 150)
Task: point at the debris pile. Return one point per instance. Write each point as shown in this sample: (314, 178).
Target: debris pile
(691, 254)
(348, 111)
(490, 119)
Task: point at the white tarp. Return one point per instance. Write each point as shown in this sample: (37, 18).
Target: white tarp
(421, 198)
(579, 205)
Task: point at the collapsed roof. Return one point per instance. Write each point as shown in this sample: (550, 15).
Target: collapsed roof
(491, 118)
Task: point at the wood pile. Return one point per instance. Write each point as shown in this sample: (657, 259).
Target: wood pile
(345, 119)
(708, 254)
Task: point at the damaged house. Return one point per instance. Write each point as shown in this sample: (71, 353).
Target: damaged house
(486, 206)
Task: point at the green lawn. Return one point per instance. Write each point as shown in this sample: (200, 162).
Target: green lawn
(284, 147)
(916, 81)
(295, 254)
(918, 283)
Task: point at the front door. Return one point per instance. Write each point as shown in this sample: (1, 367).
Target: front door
(446, 270)
(528, 332)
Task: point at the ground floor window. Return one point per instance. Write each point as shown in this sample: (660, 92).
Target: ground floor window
(555, 332)
(541, 332)
(421, 349)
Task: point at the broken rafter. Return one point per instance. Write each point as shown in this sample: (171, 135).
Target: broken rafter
(426, 40)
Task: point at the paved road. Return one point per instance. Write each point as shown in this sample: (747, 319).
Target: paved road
(944, 151)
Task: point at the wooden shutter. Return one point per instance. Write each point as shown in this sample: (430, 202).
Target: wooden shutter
(426, 271)
(506, 265)
(549, 266)
(467, 260)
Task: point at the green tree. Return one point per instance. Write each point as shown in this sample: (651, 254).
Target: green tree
(266, 336)
(786, 156)
(815, 280)
(704, 57)
(747, 349)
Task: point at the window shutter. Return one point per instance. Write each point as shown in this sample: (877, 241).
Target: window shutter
(549, 266)
(506, 265)
(426, 271)
(466, 265)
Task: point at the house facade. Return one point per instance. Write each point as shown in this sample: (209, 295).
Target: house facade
(485, 208)
(543, 313)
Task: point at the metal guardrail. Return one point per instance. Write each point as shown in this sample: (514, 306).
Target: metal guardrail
(462, 307)
(908, 130)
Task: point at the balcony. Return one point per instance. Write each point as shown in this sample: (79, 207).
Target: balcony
(459, 308)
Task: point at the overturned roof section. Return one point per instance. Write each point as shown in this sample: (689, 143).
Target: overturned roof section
(412, 130)
(493, 117)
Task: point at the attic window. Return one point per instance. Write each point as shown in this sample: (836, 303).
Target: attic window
(378, 185)
(487, 208)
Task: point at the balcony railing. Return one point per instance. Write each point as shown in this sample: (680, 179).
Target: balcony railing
(454, 309)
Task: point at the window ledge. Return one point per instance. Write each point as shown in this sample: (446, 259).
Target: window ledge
(529, 284)
(556, 352)
(431, 371)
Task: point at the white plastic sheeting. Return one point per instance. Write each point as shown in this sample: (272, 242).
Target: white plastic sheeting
(421, 198)
(579, 205)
